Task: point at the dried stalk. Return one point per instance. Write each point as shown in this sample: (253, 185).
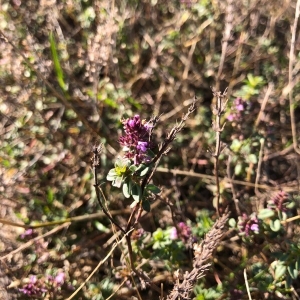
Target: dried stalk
(202, 253)
(218, 110)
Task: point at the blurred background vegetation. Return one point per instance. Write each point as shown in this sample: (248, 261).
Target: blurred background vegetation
(71, 70)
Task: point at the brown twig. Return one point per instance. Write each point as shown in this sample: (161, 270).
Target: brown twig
(234, 196)
(226, 36)
(68, 220)
(264, 103)
(96, 163)
(218, 110)
(164, 148)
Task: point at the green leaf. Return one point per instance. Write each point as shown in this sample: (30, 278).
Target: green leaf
(236, 145)
(158, 235)
(252, 158)
(290, 205)
(136, 192)
(293, 271)
(288, 282)
(153, 188)
(232, 222)
(146, 205)
(280, 270)
(238, 169)
(110, 102)
(50, 196)
(56, 62)
(127, 185)
(275, 225)
(265, 213)
(297, 264)
(142, 170)
(101, 227)
(133, 168)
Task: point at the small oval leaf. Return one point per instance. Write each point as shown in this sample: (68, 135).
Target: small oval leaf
(252, 158)
(293, 271)
(136, 192)
(101, 227)
(279, 271)
(146, 205)
(153, 188)
(126, 189)
(232, 222)
(265, 213)
(275, 225)
(133, 168)
(238, 169)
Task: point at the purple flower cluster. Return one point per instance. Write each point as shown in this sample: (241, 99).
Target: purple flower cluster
(279, 201)
(239, 105)
(34, 288)
(28, 234)
(248, 224)
(56, 281)
(136, 141)
(182, 231)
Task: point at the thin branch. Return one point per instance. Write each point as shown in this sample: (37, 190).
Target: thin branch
(218, 110)
(96, 163)
(68, 220)
(226, 36)
(166, 143)
(264, 103)
(258, 171)
(247, 285)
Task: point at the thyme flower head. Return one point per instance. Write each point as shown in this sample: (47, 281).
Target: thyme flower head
(33, 287)
(279, 201)
(183, 231)
(136, 141)
(248, 224)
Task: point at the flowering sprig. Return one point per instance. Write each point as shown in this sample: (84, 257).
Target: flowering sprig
(38, 286)
(278, 208)
(120, 172)
(236, 114)
(183, 232)
(34, 287)
(248, 225)
(137, 139)
(280, 202)
(130, 170)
